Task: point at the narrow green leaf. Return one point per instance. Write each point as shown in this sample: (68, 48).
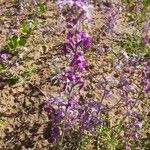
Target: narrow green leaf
(41, 7)
(22, 41)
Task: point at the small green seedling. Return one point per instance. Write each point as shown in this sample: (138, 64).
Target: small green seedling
(2, 122)
(41, 7)
(27, 26)
(16, 41)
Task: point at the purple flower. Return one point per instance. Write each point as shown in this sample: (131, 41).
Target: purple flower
(123, 82)
(131, 113)
(78, 61)
(84, 38)
(76, 115)
(86, 42)
(34, 2)
(138, 124)
(4, 56)
(89, 115)
(134, 136)
(72, 78)
(64, 110)
(145, 39)
(146, 30)
(75, 21)
(56, 107)
(110, 17)
(145, 77)
(107, 94)
(134, 60)
(81, 5)
(67, 47)
(100, 49)
(54, 132)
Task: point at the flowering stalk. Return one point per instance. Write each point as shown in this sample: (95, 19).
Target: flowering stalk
(72, 114)
(65, 110)
(110, 15)
(146, 30)
(130, 95)
(145, 77)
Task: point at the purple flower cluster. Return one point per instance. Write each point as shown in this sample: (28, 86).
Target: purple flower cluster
(145, 77)
(72, 13)
(130, 94)
(6, 63)
(146, 31)
(78, 62)
(131, 128)
(71, 76)
(89, 115)
(65, 111)
(103, 86)
(82, 6)
(3, 58)
(125, 94)
(75, 40)
(57, 108)
(117, 92)
(110, 15)
(73, 114)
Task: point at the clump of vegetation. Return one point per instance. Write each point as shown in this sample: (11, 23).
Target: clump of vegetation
(103, 108)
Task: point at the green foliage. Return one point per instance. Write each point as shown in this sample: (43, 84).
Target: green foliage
(145, 143)
(26, 74)
(16, 41)
(85, 143)
(2, 67)
(24, 28)
(41, 7)
(140, 15)
(146, 3)
(130, 44)
(11, 77)
(105, 139)
(13, 42)
(2, 121)
(27, 26)
(129, 1)
(133, 44)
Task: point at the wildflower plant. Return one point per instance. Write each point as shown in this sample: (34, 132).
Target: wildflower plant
(110, 15)
(66, 111)
(12, 53)
(14, 49)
